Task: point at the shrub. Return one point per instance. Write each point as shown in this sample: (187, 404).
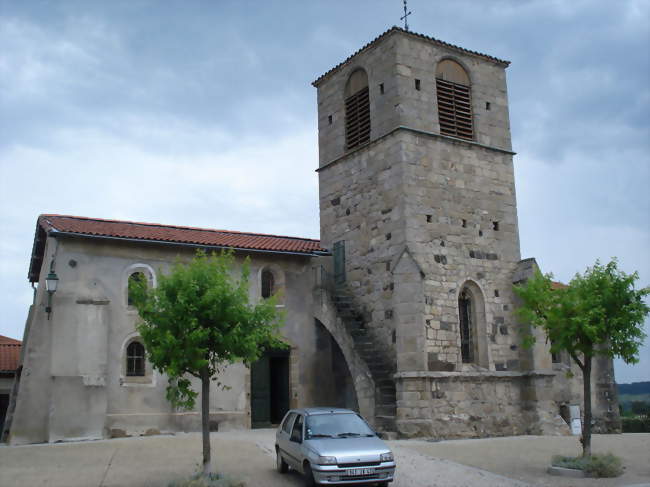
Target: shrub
(607, 465)
(211, 480)
(636, 425)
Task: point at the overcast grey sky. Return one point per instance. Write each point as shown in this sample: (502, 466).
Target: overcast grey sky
(201, 113)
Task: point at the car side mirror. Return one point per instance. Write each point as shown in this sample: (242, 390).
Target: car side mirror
(379, 434)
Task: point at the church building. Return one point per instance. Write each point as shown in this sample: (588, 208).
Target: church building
(404, 310)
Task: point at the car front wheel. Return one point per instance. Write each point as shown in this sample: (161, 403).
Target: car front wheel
(309, 476)
(280, 463)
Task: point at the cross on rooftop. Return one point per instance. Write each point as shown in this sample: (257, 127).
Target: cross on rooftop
(406, 14)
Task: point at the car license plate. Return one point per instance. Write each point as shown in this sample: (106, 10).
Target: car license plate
(361, 471)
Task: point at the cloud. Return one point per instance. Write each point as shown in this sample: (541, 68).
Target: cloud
(202, 114)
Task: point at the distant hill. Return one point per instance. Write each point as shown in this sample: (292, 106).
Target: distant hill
(635, 388)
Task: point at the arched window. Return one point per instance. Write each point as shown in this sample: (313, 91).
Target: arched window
(134, 278)
(268, 283)
(466, 326)
(135, 360)
(454, 100)
(357, 110)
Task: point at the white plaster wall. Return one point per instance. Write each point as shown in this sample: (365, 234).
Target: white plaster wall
(74, 384)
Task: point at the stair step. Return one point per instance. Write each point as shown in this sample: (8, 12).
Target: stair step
(358, 333)
(381, 368)
(386, 391)
(385, 410)
(385, 423)
(384, 400)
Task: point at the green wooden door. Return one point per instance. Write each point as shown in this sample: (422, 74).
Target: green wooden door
(261, 393)
(279, 386)
(270, 388)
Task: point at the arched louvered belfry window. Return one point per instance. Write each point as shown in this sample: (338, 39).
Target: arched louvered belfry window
(357, 110)
(135, 360)
(268, 283)
(454, 100)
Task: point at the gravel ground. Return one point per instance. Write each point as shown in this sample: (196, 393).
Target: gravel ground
(526, 458)
(155, 461)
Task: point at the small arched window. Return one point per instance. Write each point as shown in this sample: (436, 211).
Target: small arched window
(465, 314)
(357, 110)
(135, 278)
(268, 283)
(454, 100)
(135, 360)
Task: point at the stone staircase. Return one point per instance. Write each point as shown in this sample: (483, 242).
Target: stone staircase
(380, 365)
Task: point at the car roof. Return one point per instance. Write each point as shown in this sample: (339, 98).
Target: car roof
(322, 410)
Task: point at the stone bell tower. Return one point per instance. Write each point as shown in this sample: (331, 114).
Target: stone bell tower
(417, 201)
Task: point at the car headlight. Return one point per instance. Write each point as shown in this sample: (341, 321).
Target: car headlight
(327, 460)
(387, 457)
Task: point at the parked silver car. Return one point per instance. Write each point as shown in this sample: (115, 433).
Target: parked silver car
(332, 446)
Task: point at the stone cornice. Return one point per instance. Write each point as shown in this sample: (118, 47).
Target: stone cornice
(419, 132)
(474, 375)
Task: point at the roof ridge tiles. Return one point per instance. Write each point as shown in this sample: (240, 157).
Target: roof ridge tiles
(413, 34)
(179, 227)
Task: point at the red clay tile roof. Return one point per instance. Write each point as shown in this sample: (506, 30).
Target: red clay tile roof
(558, 285)
(419, 36)
(9, 354)
(176, 234)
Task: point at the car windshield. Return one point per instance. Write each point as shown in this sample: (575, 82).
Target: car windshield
(336, 426)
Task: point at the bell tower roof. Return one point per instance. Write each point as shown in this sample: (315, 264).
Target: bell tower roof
(392, 31)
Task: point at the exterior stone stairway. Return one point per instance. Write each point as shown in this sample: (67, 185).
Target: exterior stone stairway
(380, 365)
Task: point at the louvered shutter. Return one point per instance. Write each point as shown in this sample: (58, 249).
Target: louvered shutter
(357, 118)
(454, 109)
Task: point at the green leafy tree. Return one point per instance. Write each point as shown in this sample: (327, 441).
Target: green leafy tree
(196, 321)
(640, 408)
(599, 313)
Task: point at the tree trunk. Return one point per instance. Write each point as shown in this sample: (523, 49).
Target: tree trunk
(205, 420)
(586, 428)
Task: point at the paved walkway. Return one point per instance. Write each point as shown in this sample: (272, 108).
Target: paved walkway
(155, 461)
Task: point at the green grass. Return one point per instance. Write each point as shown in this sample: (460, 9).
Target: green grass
(597, 465)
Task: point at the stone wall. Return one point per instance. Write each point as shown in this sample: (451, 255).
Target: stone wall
(361, 203)
(470, 405)
(462, 230)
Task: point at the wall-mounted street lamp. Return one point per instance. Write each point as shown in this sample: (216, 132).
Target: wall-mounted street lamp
(51, 283)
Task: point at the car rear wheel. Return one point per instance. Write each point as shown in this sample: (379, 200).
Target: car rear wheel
(280, 463)
(309, 476)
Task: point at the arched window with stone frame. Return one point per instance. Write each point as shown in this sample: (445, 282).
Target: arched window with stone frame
(135, 369)
(136, 273)
(267, 284)
(472, 326)
(135, 359)
(357, 110)
(466, 325)
(134, 278)
(454, 95)
(271, 283)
